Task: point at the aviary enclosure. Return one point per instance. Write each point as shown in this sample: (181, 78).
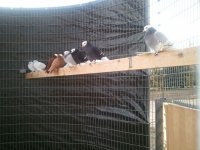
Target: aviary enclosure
(95, 111)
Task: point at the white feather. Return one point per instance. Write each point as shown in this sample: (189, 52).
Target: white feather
(69, 59)
(38, 65)
(31, 66)
(104, 58)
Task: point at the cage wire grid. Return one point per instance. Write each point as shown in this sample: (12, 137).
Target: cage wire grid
(96, 111)
(178, 20)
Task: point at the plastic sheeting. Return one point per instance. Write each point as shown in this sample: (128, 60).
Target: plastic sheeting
(97, 111)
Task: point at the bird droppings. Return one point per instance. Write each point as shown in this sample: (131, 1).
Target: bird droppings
(22, 70)
(180, 54)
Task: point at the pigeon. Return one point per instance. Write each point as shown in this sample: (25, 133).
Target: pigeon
(38, 65)
(49, 62)
(78, 56)
(57, 63)
(156, 40)
(93, 52)
(69, 59)
(31, 66)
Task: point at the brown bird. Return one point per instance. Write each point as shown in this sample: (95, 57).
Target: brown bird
(49, 62)
(57, 63)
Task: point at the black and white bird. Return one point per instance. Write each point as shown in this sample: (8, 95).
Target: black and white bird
(93, 52)
(68, 59)
(31, 66)
(38, 65)
(156, 41)
(78, 56)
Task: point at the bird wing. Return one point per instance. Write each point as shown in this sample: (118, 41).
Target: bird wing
(83, 56)
(41, 65)
(69, 59)
(35, 65)
(50, 61)
(55, 64)
(161, 38)
(31, 67)
(98, 52)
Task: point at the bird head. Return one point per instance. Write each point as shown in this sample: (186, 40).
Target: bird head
(84, 43)
(35, 61)
(66, 52)
(146, 28)
(72, 50)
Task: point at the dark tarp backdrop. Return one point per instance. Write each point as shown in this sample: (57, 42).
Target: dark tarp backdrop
(96, 111)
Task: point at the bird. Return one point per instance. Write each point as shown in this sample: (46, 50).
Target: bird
(93, 52)
(31, 66)
(38, 65)
(69, 59)
(78, 56)
(156, 41)
(57, 63)
(49, 62)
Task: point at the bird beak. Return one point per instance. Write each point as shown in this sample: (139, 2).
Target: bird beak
(143, 31)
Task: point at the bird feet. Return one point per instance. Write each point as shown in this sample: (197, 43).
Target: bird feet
(94, 61)
(156, 54)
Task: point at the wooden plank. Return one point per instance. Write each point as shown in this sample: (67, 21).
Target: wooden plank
(181, 127)
(173, 58)
(165, 125)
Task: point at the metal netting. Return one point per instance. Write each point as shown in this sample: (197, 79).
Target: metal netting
(97, 111)
(179, 21)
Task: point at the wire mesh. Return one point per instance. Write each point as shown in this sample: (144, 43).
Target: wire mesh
(97, 111)
(91, 111)
(178, 20)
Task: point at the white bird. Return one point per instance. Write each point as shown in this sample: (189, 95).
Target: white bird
(69, 59)
(38, 65)
(31, 66)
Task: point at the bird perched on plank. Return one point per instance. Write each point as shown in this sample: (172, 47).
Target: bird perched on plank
(156, 41)
(69, 59)
(38, 65)
(57, 63)
(49, 62)
(93, 52)
(78, 56)
(31, 66)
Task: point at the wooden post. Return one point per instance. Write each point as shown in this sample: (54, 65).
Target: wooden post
(181, 127)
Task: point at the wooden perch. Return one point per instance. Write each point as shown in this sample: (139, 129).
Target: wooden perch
(181, 57)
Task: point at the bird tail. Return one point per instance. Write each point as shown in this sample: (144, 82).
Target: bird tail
(169, 48)
(143, 53)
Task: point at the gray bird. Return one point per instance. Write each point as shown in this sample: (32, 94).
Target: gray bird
(69, 59)
(38, 65)
(31, 66)
(155, 40)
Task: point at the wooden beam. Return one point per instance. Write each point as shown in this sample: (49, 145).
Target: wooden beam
(182, 57)
(181, 127)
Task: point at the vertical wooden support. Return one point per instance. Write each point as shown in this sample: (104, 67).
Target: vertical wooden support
(181, 127)
(159, 124)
